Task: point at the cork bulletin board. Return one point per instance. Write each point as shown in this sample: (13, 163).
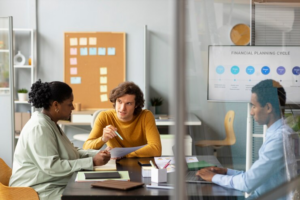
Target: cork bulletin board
(95, 63)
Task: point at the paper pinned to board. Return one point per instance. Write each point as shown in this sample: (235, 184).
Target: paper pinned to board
(93, 51)
(73, 42)
(101, 51)
(119, 152)
(103, 97)
(83, 41)
(103, 79)
(73, 51)
(73, 70)
(103, 70)
(92, 41)
(103, 88)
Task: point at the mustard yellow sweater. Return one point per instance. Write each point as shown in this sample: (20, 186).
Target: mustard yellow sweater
(139, 131)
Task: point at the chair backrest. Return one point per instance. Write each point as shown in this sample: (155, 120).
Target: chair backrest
(95, 114)
(5, 173)
(228, 124)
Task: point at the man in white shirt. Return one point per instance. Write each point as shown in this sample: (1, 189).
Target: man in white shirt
(269, 170)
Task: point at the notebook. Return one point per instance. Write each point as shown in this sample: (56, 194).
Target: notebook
(199, 165)
(109, 166)
(81, 177)
(119, 185)
(102, 175)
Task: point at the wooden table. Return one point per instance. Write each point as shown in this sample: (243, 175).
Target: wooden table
(83, 190)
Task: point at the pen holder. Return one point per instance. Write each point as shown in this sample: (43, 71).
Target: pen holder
(146, 171)
(158, 175)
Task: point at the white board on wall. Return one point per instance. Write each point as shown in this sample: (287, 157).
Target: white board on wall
(234, 70)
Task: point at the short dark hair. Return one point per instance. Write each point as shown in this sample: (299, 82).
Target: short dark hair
(128, 88)
(270, 91)
(43, 94)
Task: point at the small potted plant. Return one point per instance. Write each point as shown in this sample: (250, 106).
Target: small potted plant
(22, 94)
(156, 103)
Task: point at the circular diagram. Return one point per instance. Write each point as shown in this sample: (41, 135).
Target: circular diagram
(250, 70)
(280, 70)
(296, 70)
(220, 69)
(235, 70)
(265, 70)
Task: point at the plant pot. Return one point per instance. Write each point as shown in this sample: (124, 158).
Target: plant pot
(152, 109)
(157, 109)
(22, 96)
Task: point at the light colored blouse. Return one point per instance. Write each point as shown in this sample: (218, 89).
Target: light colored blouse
(45, 159)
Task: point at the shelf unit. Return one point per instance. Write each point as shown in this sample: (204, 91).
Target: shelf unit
(25, 34)
(24, 41)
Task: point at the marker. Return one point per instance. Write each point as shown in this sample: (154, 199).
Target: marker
(152, 164)
(118, 135)
(167, 164)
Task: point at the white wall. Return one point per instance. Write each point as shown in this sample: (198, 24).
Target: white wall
(58, 16)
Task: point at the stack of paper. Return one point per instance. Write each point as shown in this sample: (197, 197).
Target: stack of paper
(109, 166)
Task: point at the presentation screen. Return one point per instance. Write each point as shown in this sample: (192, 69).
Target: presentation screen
(234, 70)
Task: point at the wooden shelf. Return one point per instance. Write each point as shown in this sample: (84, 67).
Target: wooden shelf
(21, 102)
(23, 66)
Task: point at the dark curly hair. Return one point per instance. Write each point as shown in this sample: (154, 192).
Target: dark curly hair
(270, 91)
(128, 88)
(43, 94)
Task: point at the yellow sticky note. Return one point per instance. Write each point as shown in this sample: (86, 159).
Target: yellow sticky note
(103, 97)
(92, 41)
(73, 41)
(103, 80)
(82, 41)
(103, 70)
(103, 88)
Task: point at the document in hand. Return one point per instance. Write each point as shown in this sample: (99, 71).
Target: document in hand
(81, 176)
(109, 166)
(199, 165)
(119, 152)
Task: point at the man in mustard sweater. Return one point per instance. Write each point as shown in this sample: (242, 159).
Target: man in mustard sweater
(136, 126)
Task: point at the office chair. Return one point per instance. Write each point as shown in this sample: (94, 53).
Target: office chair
(230, 135)
(13, 193)
(84, 136)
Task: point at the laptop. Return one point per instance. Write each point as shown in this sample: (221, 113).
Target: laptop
(190, 176)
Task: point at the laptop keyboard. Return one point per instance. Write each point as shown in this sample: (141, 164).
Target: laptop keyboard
(191, 176)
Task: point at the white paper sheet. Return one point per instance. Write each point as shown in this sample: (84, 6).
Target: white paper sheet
(162, 161)
(119, 152)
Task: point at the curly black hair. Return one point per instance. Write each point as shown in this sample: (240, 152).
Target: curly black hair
(43, 94)
(128, 88)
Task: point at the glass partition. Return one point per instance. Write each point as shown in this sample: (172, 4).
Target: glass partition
(241, 80)
(6, 88)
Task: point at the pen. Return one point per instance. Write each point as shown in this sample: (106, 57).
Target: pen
(118, 135)
(167, 164)
(152, 164)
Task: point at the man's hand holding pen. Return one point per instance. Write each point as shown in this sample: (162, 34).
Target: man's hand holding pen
(110, 132)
